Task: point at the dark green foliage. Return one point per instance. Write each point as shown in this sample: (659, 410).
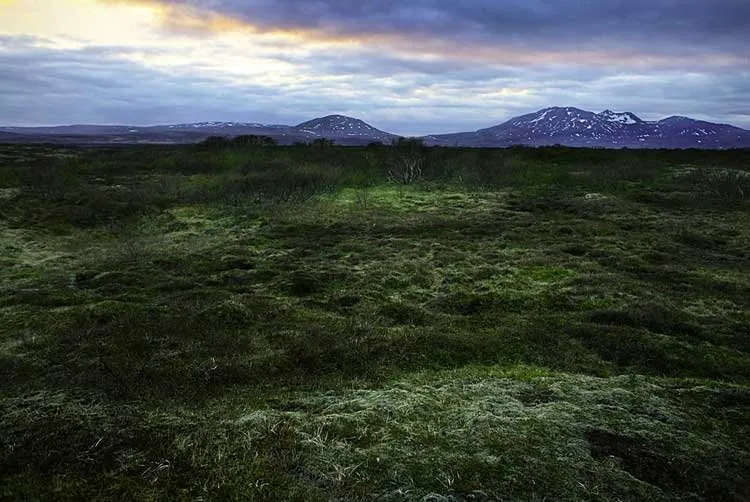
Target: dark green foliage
(253, 140)
(230, 321)
(414, 144)
(215, 143)
(322, 143)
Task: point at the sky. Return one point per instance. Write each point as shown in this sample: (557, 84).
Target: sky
(410, 67)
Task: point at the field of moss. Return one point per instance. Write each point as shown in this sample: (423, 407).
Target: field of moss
(310, 324)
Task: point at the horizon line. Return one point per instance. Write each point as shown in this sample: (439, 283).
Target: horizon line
(243, 122)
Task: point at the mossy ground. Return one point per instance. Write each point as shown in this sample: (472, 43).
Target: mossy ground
(288, 324)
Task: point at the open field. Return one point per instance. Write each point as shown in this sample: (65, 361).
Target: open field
(298, 323)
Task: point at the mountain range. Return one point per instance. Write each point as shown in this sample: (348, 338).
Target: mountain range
(567, 126)
(575, 127)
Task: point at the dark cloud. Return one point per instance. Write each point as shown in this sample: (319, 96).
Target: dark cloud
(650, 26)
(41, 85)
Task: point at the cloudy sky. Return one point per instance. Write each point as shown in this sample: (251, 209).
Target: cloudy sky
(408, 67)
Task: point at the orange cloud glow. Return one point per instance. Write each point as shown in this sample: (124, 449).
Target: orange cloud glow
(184, 19)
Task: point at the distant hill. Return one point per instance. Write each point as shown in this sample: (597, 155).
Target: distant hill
(567, 126)
(340, 128)
(343, 129)
(9, 136)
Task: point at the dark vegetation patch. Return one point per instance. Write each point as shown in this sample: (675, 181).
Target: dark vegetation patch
(649, 462)
(639, 459)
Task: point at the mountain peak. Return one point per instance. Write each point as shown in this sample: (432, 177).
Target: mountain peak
(566, 109)
(337, 116)
(620, 117)
(675, 119)
(341, 126)
(334, 122)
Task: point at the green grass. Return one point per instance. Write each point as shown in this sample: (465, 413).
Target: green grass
(291, 324)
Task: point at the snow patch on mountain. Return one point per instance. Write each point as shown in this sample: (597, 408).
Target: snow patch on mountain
(217, 125)
(620, 118)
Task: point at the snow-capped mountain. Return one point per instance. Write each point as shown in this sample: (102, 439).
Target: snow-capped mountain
(575, 127)
(556, 125)
(341, 127)
(574, 124)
